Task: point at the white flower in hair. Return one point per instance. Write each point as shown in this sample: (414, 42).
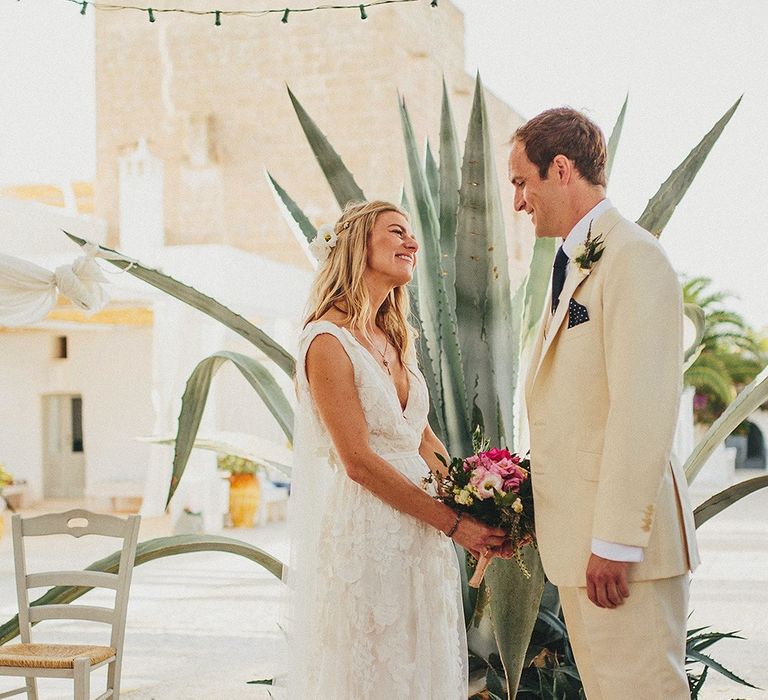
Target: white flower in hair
(323, 242)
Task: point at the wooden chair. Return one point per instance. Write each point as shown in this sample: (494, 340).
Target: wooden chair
(68, 660)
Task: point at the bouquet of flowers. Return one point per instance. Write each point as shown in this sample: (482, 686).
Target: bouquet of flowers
(493, 486)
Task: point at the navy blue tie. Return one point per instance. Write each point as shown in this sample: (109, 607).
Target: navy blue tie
(558, 276)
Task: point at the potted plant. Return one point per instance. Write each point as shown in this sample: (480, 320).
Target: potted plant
(244, 488)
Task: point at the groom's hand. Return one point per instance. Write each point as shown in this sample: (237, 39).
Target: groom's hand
(607, 582)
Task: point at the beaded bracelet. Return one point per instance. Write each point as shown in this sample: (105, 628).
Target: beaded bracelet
(455, 525)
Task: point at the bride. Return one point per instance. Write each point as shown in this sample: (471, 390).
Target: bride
(373, 579)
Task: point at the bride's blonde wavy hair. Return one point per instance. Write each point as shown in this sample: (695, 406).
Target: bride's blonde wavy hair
(339, 281)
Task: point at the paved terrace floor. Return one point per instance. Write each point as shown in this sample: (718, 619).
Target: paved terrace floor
(201, 625)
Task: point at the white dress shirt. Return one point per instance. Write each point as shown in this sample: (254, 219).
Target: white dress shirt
(577, 236)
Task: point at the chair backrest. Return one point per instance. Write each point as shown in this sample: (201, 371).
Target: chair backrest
(76, 523)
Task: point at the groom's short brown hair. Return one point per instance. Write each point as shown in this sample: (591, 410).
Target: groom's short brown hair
(565, 131)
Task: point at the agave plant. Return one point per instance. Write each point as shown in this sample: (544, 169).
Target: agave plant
(473, 329)
(696, 642)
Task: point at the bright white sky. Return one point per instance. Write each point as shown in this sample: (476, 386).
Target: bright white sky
(683, 63)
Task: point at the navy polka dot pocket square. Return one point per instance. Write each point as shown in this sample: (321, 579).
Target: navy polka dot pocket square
(577, 314)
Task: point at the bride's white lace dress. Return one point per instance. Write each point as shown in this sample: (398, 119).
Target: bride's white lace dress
(376, 611)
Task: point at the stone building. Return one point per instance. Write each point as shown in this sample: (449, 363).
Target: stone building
(189, 118)
(212, 104)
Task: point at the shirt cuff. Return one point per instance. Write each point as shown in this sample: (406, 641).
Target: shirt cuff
(616, 552)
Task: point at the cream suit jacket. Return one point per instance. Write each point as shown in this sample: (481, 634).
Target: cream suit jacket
(602, 400)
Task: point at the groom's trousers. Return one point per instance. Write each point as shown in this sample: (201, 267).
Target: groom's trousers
(635, 651)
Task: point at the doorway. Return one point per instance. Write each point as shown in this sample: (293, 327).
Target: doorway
(63, 446)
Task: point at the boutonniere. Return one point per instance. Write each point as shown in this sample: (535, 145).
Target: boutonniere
(586, 254)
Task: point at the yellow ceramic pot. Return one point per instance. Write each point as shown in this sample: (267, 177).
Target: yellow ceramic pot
(244, 497)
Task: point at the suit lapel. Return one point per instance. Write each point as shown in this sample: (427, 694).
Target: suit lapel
(575, 277)
(538, 343)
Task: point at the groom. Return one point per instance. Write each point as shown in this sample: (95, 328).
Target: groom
(613, 521)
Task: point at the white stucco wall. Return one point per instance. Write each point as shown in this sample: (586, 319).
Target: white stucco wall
(109, 367)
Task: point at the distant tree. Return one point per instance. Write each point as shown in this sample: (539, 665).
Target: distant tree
(733, 352)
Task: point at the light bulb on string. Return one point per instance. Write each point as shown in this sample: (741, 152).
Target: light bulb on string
(283, 12)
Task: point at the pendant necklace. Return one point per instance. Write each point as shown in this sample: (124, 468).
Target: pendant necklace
(384, 360)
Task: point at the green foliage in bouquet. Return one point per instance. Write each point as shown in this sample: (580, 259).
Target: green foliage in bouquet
(473, 329)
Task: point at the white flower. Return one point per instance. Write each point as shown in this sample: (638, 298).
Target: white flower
(489, 484)
(517, 506)
(578, 252)
(464, 497)
(322, 244)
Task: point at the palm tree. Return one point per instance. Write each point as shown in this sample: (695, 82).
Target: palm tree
(732, 353)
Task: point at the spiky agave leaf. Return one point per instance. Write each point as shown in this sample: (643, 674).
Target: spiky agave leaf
(514, 609)
(341, 181)
(450, 181)
(439, 321)
(195, 396)
(537, 284)
(433, 176)
(709, 662)
(202, 302)
(488, 329)
(222, 446)
(149, 551)
(727, 497)
(662, 205)
(293, 211)
(613, 141)
(477, 214)
(428, 365)
(426, 307)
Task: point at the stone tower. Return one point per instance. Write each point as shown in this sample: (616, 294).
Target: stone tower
(211, 102)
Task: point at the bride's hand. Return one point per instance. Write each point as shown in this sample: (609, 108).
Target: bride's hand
(478, 537)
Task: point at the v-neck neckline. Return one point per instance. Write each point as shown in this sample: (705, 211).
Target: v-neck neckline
(384, 375)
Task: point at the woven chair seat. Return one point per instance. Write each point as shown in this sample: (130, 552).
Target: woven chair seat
(51, 655)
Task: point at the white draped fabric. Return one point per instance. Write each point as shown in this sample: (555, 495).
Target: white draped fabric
(28, 292)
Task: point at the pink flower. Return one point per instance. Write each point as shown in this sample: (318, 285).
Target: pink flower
(485, 483)
(471, 462)
(496, 455)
